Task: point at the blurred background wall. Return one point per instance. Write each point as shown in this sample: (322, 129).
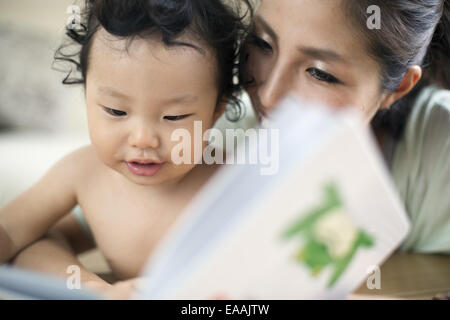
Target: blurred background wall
(32, 96)
(40, 118)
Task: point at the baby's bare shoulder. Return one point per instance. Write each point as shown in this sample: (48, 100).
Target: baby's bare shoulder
(83, 156)
(79, 158)
(79, 164)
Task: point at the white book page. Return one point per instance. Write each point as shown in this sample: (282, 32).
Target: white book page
(254, 262)
(222, 203)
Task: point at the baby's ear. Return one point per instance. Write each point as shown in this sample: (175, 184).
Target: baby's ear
(220, 109)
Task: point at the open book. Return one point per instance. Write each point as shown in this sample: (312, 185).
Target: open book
(308, 225)
(312, 229)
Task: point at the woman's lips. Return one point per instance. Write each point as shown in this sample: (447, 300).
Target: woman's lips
(144, 169)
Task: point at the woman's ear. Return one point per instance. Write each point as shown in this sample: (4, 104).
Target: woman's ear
(410, 79)
(220, 109)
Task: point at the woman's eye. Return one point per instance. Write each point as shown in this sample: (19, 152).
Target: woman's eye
(260, 43)
(322, 76)
(114, 112)
(176, 118)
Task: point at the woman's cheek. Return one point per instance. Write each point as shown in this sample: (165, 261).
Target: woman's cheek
(322, 93)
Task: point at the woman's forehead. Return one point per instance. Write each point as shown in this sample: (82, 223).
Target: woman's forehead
(311, 24)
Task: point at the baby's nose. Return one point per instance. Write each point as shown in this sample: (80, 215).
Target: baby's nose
(143, 138)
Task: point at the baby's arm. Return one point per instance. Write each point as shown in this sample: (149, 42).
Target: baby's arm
(52, 254)
(30, 216)
(57, 251)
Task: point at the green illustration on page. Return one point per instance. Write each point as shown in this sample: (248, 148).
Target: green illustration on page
(331, 238)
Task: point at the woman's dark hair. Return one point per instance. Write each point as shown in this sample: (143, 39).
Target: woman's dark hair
(219, 26)
(413, 32)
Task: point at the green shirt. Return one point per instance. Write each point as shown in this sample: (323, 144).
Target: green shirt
(421, 171)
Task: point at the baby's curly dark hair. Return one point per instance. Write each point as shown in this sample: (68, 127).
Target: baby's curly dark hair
(220, 26)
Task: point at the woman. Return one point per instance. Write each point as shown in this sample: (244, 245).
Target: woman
(325, 51)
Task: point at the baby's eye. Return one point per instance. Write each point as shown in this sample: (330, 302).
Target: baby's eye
(323, 76)
(114, 112)
(176, 118)
(260, 43)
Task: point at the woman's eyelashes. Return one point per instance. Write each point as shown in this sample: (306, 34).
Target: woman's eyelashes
(323, 76)
(114, 112)
(314, 72)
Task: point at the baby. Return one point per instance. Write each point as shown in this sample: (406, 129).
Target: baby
(148, 67)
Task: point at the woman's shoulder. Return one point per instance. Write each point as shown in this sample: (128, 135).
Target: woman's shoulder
(431, 107)
(421, 171)
(427, 131)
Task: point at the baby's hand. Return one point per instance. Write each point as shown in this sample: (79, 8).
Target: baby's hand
(122, 290)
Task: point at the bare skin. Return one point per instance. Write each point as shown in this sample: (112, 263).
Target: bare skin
(55, 252)
(135, 99)
(126, 220)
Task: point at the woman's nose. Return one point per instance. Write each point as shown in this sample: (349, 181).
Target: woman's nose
(274, 88)
(143, 137)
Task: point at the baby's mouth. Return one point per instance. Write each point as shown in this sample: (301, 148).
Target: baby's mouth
(144, 168)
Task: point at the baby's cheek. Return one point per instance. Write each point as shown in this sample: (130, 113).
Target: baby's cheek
(188, 143)
(106, 144)
(182, 151)
(178, 171)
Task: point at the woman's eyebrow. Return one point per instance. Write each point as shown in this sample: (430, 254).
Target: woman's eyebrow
(323, 54)
(265, 25)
